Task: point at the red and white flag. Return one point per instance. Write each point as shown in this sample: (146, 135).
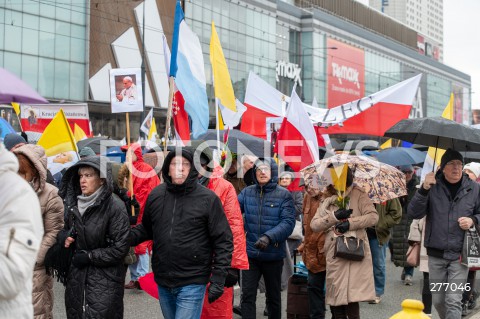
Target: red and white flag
(179, 115)
(297, 142)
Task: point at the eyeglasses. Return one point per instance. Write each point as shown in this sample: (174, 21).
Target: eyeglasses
(456, 163)
(284, 178)
(263, 169)
(407, 172)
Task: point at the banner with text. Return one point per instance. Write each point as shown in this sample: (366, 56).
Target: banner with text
(346, 73)
(36, 117)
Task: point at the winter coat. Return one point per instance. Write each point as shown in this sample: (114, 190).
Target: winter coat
(313, 254)
(347, 281)
(442, 232)
(298, 202)
(21, 232)
(144, 180)
(52, 214)
(192, 241)
(268, 210)
(96, 291)
(237, 182)
(401, 230)
(221, 308)
(417, 234)
(389, 214)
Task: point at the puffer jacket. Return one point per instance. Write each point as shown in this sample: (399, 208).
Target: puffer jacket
(144, 180)
(52, 215)
(268, 210)
(389, 214)
(401, 230)
(96, 291)
(21, 232)
(442, 232)
(192, 241)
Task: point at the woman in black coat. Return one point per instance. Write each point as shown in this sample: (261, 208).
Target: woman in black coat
(97, 229)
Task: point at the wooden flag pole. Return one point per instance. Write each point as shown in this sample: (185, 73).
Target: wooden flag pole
(129, 162)
(171, 84)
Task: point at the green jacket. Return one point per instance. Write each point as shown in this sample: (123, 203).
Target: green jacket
(389, 214)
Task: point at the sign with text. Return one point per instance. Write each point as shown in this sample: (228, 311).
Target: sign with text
(346, 73)
(36, 117)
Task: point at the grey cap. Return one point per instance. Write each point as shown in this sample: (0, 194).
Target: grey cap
(13, 139)
(86, 152)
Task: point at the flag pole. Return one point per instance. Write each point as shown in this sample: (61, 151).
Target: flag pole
(129, 162)
(171, 83)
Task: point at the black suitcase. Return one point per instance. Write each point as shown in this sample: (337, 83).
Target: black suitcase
(297, 295)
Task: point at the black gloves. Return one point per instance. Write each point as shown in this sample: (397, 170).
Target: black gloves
(342, 227)
(215, 291)
(262, 243)
(81, 259)
(129, 202)
(343, 213)
(232, 277)
(133, 220)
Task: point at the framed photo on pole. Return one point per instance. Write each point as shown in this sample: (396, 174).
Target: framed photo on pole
(126, 90)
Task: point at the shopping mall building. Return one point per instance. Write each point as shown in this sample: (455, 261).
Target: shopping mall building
(336, 51)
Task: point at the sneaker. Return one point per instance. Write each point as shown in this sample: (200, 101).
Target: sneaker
(237, 310)
(408, 280)
(375, 301)
(465, 310)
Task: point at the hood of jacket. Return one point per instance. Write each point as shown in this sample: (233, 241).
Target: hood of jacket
(8, 161)
(71, 181)
(272, 183)
(192, 178)
(36, 155)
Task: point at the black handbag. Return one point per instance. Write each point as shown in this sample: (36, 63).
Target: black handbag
(350, 248)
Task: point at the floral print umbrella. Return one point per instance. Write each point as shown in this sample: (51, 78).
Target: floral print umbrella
(380, 181)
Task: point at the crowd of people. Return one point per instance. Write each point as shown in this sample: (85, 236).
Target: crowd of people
(207, 230)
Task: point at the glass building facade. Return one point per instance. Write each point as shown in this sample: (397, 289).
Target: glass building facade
(46, 45)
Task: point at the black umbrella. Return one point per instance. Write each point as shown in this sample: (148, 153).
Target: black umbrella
(94, 143)
(436, 132)
(240, 143)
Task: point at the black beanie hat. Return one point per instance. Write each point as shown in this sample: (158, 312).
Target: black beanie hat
(450, 155)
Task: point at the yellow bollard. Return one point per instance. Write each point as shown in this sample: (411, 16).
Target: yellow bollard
(411, 309)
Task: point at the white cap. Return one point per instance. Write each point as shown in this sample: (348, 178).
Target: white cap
(474, 167)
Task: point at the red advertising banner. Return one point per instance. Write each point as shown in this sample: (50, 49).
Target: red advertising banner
(36, 117)
(346, 73)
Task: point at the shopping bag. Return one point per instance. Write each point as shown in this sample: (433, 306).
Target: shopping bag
(413, 255)
(471, 248)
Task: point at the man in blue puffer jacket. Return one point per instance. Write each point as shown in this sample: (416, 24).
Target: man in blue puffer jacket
(269, 215)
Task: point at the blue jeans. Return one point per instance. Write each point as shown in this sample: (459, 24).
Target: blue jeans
(182, 302)
(378, 260)
(140, 267)
(408, 271)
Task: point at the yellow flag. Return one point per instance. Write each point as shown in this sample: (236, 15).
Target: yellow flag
(447, 114)
(221, 77)
(339, 177)
(16, 107)
(387, 144)
(78, 133)
(58, 136)
(152, 131)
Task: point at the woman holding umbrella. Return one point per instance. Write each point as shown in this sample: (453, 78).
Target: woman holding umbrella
(348, 282)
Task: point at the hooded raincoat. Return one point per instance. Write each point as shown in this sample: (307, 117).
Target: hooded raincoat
(52, 216)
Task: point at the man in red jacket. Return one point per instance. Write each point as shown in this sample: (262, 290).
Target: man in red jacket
(144, 180)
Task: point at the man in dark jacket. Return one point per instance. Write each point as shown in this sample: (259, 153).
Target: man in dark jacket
(192, 240)
(451, 202)
(269, 215)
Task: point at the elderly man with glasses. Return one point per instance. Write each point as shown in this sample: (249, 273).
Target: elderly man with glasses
(269, 215)
(451, 202)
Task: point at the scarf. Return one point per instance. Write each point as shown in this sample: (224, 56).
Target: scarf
(86, 201)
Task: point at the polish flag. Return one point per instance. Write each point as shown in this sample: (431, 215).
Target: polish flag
(180, 116)
(297, 142)
(370, 115)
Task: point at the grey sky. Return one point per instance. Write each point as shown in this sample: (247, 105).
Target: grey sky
(461, 43)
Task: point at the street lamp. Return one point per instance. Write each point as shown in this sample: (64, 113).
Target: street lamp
(381, 72)
(303, 62)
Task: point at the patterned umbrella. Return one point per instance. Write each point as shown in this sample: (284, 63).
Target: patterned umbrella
(382, 182)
